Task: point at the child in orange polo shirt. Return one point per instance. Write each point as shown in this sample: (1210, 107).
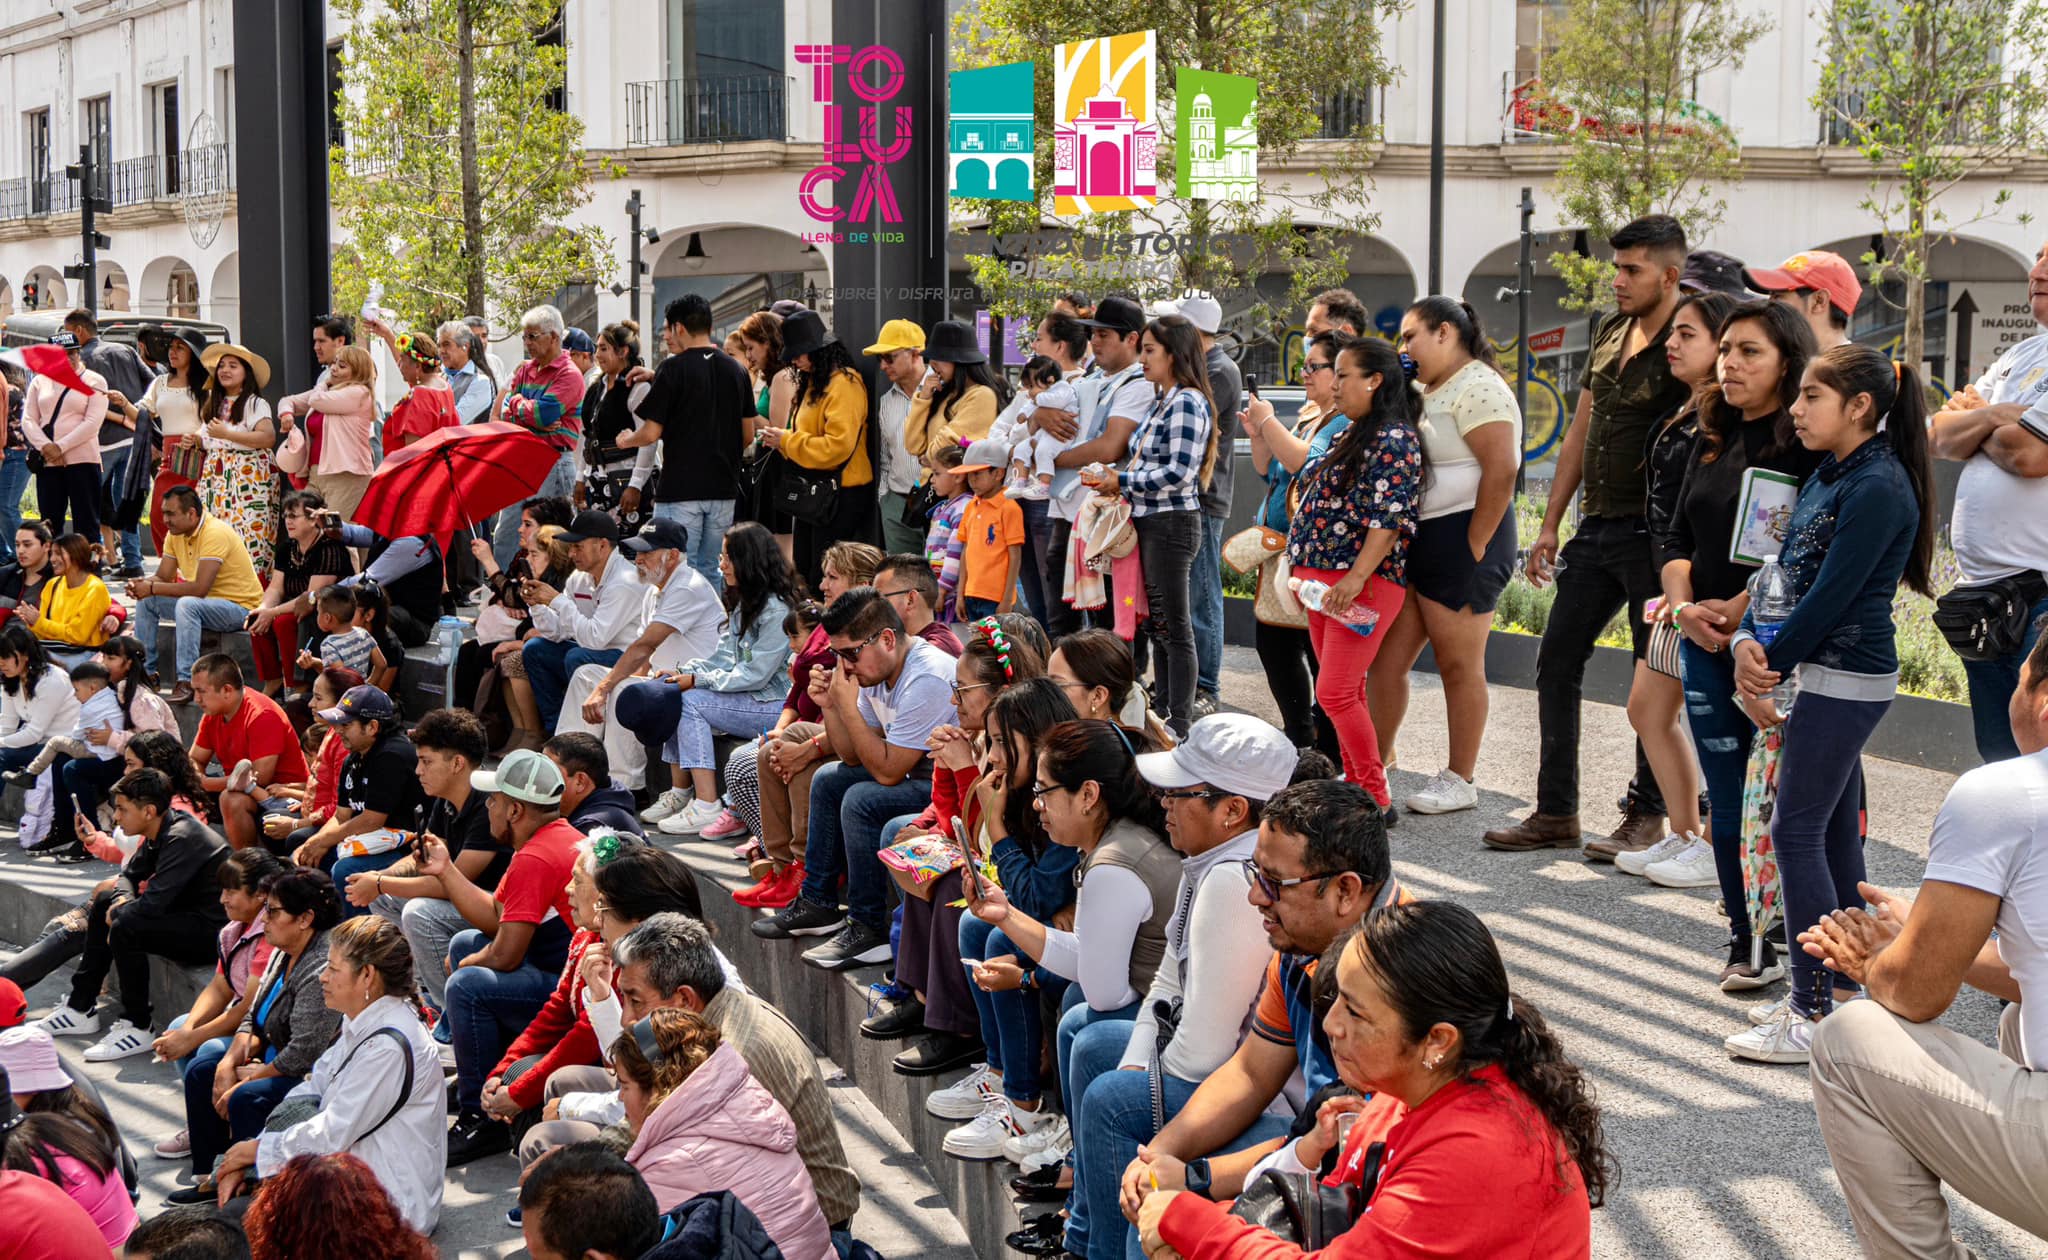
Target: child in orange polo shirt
(991, 534)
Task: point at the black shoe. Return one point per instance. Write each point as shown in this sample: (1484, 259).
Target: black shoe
(800, 918)
(49, 844)
(1742, 972)
(940, 1052)
(1041, 1236)
(855, 945)
(193, 1195)
(73, 854)
(894, 1021)
(1206, 704)
(17, 778)
(1041, 1185)
(1392, 813)
(475, 1136)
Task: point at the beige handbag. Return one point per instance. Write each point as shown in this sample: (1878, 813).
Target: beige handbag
(1264, 552)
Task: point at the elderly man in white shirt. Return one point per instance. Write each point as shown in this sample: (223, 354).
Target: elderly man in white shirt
(602, 609)
(1998, 427)
(684, 626)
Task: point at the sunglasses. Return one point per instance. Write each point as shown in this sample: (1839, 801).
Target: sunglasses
(1186, 794)
(1271, 887)
(852, 654)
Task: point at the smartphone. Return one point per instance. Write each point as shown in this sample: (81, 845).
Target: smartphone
(970, 873)
(330, 520)
(1251, 384)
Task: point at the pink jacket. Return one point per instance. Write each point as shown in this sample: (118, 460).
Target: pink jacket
(723, 1131)
(349, 414)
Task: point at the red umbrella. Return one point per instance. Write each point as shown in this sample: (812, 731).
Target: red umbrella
(453, 478)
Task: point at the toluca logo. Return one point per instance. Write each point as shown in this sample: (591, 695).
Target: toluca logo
(873, 191)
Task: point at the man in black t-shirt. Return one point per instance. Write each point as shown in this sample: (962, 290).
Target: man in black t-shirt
(450, 744)
(697, 408)
(378, 793)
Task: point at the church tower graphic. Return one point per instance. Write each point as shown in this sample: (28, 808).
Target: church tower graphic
(1216, 149)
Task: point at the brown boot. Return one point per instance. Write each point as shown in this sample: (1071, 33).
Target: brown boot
(1537, 831)
(1639, 829)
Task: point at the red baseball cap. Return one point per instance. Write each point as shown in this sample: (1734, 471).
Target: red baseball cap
(13, 1004)
(1830, 273)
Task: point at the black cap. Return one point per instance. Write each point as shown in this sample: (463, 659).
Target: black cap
(1710, 271)
(656, 535)
(590, 524)
(64, 339)
(1118, 314)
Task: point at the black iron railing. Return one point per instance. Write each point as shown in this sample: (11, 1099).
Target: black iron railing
(708, 110)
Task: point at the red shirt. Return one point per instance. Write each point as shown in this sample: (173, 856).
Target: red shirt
(419, 413)
(560, 1035)
(1530, 1203)
(38, 1221)
(535, 888)
(256, 730)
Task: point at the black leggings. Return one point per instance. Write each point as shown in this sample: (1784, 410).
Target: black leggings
(1167, 543)
(72, 487)
(1290, 665)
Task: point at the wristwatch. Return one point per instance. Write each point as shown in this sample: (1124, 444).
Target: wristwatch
(1197, 1176)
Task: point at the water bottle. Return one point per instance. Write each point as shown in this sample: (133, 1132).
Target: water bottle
(448, 638)
(1358, 618)
(1771, 602)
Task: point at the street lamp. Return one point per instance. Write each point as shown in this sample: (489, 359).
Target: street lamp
(635, 268)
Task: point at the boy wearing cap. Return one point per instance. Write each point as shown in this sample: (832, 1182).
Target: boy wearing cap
(502, 970)
(899, 354)
(379, 791)
(991, 535)
(1821, 284)
(592, 621)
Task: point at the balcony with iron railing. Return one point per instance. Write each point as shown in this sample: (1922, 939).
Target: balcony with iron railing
(1348, 112)
(722, 109)
(1966, 126)
(156, 177)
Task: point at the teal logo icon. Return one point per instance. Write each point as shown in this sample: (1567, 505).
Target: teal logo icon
(989, 136)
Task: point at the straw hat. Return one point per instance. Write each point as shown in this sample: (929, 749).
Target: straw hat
(257, 364)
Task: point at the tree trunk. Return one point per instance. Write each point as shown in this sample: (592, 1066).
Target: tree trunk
(1914, 349)
(472, 184)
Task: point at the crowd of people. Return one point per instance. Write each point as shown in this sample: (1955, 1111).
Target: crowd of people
(939, 656)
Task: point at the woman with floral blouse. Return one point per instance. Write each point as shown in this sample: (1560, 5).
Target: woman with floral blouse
(1351, 532)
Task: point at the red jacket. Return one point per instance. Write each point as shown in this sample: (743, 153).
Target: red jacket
(1528, 1204)
(561, 1034)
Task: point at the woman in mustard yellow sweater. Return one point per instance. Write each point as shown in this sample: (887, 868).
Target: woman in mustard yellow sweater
(73, 613)
(829, 433)
(960, 396)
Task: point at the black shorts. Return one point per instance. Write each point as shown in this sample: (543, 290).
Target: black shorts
(1441, 568)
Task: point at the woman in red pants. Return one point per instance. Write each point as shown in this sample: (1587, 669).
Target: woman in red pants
(1351, 532)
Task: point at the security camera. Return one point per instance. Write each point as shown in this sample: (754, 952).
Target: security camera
(1507, 293)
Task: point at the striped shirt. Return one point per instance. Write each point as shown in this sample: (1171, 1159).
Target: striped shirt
(1166, 455)
(778, 1056)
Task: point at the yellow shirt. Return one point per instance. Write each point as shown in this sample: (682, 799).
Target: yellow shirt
(969, 418)
(213, 540)
(74, 615)
(824, 433)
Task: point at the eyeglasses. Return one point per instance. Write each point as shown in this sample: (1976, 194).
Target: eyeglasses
(1038, 790)
(852, 654)
(893, 594)
(958, 689)
(1186, 794)
(1310, 369)
(1271, 887)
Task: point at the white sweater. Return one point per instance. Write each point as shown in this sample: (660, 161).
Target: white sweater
(29, 722)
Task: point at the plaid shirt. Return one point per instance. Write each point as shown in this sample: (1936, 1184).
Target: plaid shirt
(1164, 473)
(779, 1058)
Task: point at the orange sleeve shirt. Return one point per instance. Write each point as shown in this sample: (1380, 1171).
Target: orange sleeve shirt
(988, 530)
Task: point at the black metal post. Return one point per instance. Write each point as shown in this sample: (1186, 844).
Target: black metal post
(91, 201)
(1525, 276)
(1436, 152)
(282, 99)
(634, 267)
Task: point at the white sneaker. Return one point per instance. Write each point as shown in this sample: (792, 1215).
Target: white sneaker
(668, 803)
(1692, 867)
(124, 1040)
(983, 1136)
(177, 1146)
(966, 1098)
(65, 1022)
(1635, 862)
(1767, 1012)
(242, 777)
(1047, 1145)
(1447, 793)
(1786, 1039)
(691, 819)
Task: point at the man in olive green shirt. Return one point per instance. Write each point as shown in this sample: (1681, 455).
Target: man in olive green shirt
(1627, 389)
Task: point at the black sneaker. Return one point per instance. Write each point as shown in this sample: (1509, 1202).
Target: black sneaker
(1743, 973)
(895, 1020)
(1041, 1185)
(856, 945)
(1206, 705)
(1392, 813)
(800, 918)
(474, 1136)
(193, 1195)
(938, 1053)
(1041, 1236)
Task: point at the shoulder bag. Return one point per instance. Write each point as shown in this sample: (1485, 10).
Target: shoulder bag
(811, 495)
(306, 1109)
(1298, 1208)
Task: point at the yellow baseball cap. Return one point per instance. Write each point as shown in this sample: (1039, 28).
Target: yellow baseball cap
(898, 334)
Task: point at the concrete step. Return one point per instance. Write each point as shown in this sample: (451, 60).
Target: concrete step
(829, 1007)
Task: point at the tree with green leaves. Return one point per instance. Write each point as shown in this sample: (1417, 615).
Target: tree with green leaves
(460, 171)
(1928, 91)
(1619, 95)
(1304, 54)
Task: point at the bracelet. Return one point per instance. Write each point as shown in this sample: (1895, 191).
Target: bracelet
(380, 883)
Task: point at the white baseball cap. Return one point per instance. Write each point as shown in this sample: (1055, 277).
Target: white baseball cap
(1235, 752)
(1203, 311)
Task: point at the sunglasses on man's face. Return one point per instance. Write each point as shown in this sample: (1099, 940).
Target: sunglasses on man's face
(852, 654)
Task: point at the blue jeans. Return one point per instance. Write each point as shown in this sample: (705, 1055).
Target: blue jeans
(1815, 828)
(193, 615)
(706, 714)
(113, 468)
(1076, 1016)
(549, 663)
(12, 759)
(978, 608)
(704, 523)
(1207, 611)
(848, 811)
(249, 1106)
(219, 1045)
(1721, 734)
(1037, 541)
(505, 535)
(1010, 1023)
(486, 1010)
(14, 479)
(343, 867)
(1991, 686)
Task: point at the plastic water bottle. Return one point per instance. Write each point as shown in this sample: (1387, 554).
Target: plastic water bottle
(448, 639)
(1358, 618)
(1771, 602)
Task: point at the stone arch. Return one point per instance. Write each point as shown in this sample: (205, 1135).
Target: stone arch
(170, 286)
(224, 296)
(744, 268)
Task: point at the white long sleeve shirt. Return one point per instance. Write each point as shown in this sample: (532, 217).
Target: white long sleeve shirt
(410, 1153)
(1216, 956)
(1112, 905)
(28, 721)
(602, 615)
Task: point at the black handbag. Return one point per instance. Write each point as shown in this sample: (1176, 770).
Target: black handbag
(1989, 620)
(918, 506)
(1298, 1208)
(809, 495)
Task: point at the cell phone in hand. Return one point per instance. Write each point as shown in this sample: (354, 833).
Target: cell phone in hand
(1251, 384)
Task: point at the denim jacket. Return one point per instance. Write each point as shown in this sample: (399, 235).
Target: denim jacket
(750, 661)
(1843, 620)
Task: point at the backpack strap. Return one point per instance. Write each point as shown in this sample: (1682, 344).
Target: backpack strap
(404, 1089)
